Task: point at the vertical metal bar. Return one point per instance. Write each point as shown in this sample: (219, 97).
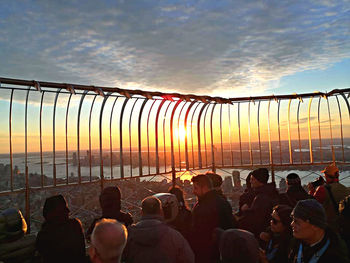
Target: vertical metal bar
(100, 137)
(341, 128)
(186, 145)
(199, 135)
(270, 143)
(110, 137)
(289, 135)
(130, 137)
(222, 147)
(239, 132)
(212, 139)
(166, 110)
(300, 153)
(319, 128)
(250, 140)
(66, 131)
(78, 135)
(41, 139)
(229, 132)
(192, 133)
(259, 132)
(139, 136)
(346, 101)
(10, 138)
(54, 138)
(205, 139)
(90, 153)
(309, 126)
(173, 172)
(121, 156)
(279, 130)
(148, 153)
(156, 135)
(27, 193)
(330, 129)
(178, 133)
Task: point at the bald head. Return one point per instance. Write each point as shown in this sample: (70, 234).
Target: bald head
(108, 241)
(151, 206)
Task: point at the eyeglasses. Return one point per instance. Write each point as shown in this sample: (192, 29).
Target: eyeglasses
(275, 221)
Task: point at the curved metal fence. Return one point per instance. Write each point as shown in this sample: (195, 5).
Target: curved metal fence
(56, 134)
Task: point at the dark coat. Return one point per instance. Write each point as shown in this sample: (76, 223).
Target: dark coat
(257, 218)
(183, 222)
(121, 217)
(246, 198)
(279, 247)
(294, 194)
(335, 253)
(211, 211)
(61, 242)
(151, 240)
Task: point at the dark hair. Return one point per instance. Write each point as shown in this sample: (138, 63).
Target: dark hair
(175, 190)
(284, 211)
(151, 205)
(110, 198)
(216, 179)
(202, 180)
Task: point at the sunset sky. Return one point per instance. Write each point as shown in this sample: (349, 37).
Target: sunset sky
(219, 48)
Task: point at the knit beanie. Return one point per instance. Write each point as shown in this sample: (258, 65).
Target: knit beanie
(311, 210)
(261, 174)
(284, 211)
(293, 179)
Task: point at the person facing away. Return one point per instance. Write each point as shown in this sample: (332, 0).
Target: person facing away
(330, 194)
(295, 191)
(256, 218)
(280, 234)
(313, 241)
(183, 220)
(108, 240)
(344, 220)
(248, 196)
(110, 202)
(151, 240)
(210, 211)
(15, 245)
(60, 238)
(237, 245)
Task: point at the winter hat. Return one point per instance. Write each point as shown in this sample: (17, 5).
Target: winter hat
(311, 210)
(55, 207)
(331, 171)
(261, 174)
(237, 245)
(293, 179)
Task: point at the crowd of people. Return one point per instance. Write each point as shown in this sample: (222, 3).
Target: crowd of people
(295, 226)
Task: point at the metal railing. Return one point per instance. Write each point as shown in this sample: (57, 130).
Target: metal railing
(134, 133)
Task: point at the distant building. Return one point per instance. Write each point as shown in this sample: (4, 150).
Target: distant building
(236, 179)
(227, 185)
(282, 185)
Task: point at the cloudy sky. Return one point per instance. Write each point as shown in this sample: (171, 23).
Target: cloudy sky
(226, 48)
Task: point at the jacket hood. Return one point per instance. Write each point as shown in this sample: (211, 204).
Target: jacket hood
(149, 231)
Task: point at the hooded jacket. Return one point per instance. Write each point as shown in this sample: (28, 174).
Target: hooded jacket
(257, 218)
(151, 240)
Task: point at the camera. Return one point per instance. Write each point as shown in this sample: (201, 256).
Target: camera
(318, 182)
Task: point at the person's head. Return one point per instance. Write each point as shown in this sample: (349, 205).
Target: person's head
(151, 206)
(331, 172)
(309, 220)
(55, 209)
(237, 245)
(280, 219)
(12, 225)
(110, 199)
(247, 181)
(170, 206)
(201, 185)
(259, 177)
(293, 179)
(175, 190)
(215, 179)
(107, 241)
